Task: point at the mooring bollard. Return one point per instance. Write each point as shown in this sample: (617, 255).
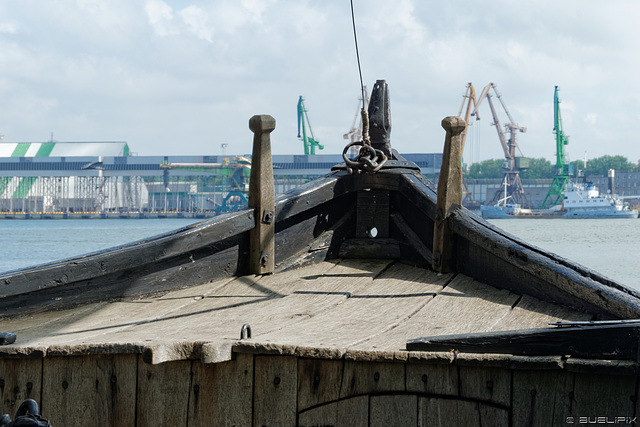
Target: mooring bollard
(262, 197)
(449, 194)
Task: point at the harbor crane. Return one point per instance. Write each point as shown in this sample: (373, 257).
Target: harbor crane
(355, 133)
(469, 98)
(563, 169)
(511, 184)
(304, 126)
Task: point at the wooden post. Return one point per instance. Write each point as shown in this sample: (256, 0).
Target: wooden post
(449, 194)
(262, 197)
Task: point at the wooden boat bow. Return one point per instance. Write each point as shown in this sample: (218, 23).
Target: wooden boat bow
(315, 301)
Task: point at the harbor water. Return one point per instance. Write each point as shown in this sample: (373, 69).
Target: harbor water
(25, 243)
(609, 246)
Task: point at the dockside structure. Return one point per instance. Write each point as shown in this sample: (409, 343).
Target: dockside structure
(142, 186)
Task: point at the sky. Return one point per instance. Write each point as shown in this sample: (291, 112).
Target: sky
(183, 77)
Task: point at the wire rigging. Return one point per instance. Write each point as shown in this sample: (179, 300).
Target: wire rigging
(369, 159)
(355, 38)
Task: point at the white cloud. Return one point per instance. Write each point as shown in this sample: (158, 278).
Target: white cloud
(161, 17)
(8, 27)
(174, 76)
(196, 20)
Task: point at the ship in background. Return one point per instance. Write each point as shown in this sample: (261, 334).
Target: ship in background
(580, 200)
(564, 198)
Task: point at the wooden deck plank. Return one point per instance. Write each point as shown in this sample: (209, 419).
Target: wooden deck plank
(275, 302)
(533, 313)
(338, 305)
(84, 323)
(39, 321)
(464, 306)
(380, 306)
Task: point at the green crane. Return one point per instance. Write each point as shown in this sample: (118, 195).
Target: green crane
(563, 169)
(310, 143)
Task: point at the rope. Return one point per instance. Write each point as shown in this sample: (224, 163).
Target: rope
(368, 156)
(355, 38)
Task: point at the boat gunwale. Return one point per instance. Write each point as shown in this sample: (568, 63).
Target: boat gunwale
(601, 293)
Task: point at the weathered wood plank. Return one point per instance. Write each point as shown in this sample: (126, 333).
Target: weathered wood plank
(90, 390)
(163, 393)
(216, 260)
(415, 250)
(464, 305)
(541, 398)
(449, 195)
(318, 382)
(314, 235)
(87, 324)
(323, 415)
(607, 396)
(366, 311)
(485, 384)
(275, 391)
(435, 411)
(394, 410)
(498, 259)
(351, 412)
(187, 244)
(277, 302)
(20, 379)
(31, 329)
(432, 379)
(367, 378)
(610, 341)
(262, 197)
(530, 312)
(208, 313)
(372, 213)
(221, 393)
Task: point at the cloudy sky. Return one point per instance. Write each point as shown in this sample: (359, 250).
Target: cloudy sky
(185, 76)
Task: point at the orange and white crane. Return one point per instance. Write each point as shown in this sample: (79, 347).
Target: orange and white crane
(355, 133)
(469, 99)
(511, 184)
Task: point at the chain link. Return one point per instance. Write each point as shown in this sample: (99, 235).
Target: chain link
(369, 159)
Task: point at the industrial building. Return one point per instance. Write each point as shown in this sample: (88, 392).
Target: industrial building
(104, 180)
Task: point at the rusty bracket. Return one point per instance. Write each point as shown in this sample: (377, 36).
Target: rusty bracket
(267, 216)
(264, 258)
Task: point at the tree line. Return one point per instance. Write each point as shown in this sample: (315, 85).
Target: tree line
(543, 168)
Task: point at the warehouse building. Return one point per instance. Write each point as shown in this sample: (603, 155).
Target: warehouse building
(103, 179)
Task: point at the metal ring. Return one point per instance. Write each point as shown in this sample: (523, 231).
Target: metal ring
(245, 332)
(367, 159)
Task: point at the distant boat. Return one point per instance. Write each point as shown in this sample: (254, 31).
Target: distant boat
(581, 200)
(585, 201)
